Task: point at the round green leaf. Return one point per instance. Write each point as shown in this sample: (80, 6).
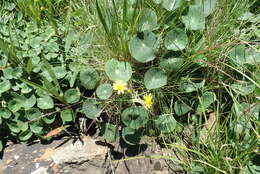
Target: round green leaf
(208, 5)
(14, 105)
(104, 91)
(49, 119)
(206, 100)
(117, 70)
(176, 40)
(91, 109)
(189, 86)
(243, 88)
(67, 115)
(181, 108)
(144, 46)
(45, 102)
(240, 56)
(5, 85)
(195, 19)
(110, 132)
(171, 5)
(166, 123)
(36, 127)
(131, 136)
(29, 102)
(23, 125)
(33, 113)
(135, 117)
(5, 113)
(72, 96)
(89, 78)
(155, 78)
(147, 20)
(1, 146)
(13, 126)
(59, 71)
(172, 64)
(26, 135)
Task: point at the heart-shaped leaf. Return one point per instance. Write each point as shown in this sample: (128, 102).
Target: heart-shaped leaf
(135, 117)
(14, 105)
(49, 119)
(110, 132)
(36, 127)
(147, 20)
(195, 19)
(172, 64)
(33, 113)
(29, 102)
(208, 6)
(104, 91)
(155, 78)
(117, 70)
(144, 46)
(91, 108)
(5, 113)
(89, 78)
(131, 136)
(206, 100)
(72, 96)
(166, 123)
(67, 115)
(26, 135)
(45, 102)
(176, 40)
(5, 85)
(181, 108)
(240, 56)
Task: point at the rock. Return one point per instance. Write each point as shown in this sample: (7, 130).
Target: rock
(79, 152)
(41, 170)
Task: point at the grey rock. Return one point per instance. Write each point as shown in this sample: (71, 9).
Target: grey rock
(41, 170)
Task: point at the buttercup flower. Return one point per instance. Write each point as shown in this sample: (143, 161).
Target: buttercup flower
(148, 100)
(120, 86)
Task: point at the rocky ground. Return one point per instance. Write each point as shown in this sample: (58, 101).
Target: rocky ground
(85, 156)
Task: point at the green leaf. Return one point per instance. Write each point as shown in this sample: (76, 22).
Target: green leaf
(5, 85)
(67, 115)
(1, 146)
(26, 135)
(176, 40)
(33, 113)
(91, 108)
(36, 127)
(243, 88)
(171, 5)
(14, 105)
(59, 71)
(135, 117)
(240, 55)
(49, 119)
(117, 70)
(89, 78)
(172, 64)
(110, 132)
(155, 78)
(144, 46)
(14, 127)
(131, 136)
(104, 91)
(5, 113)
(147, 20)
(45, 102)
(29, 102)
(195, 19)
(181, 108)
(206, 100)
(189, 86)
(72, 96)
(166, 123)
(208, 6)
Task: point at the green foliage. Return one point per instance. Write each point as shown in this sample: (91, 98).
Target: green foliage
(117, 70)
(72, 96)
(176, 40)
(91, 108)
(104, 91)
(155, 78)
(110, 132)
(89, 78)
(67, 115)
(135, 117)
(131, 136)
(166, 123)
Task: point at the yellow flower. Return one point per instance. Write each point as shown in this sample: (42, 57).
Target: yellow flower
(148, 100)
(120, 86)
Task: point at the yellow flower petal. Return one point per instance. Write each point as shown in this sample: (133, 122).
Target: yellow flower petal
(120, 86)
(148, 100)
